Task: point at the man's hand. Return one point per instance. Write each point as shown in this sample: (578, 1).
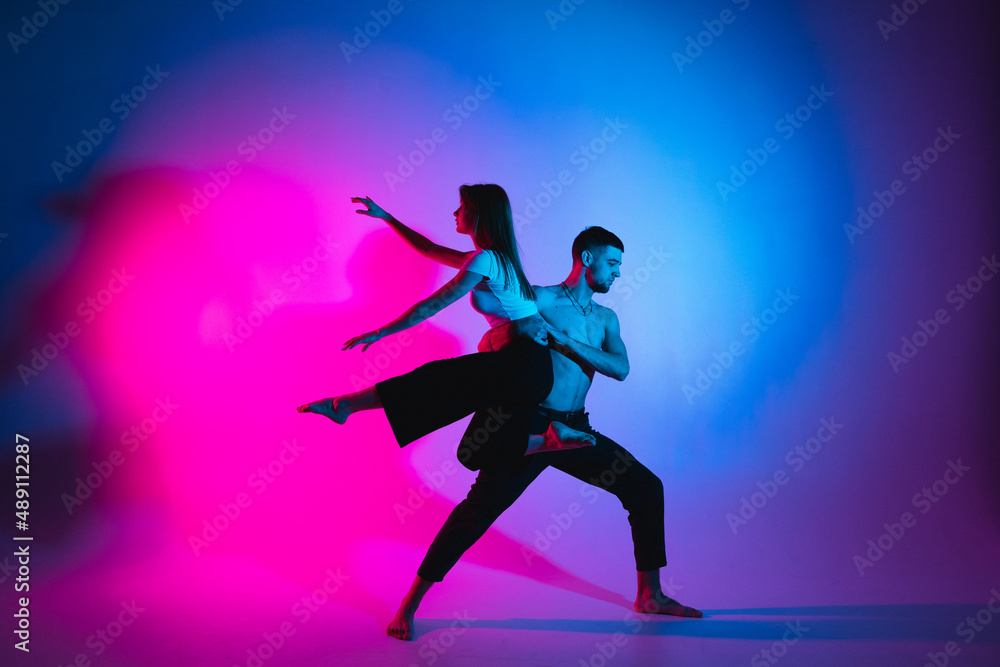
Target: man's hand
(557, 338)
(611, 359)
(367, 339)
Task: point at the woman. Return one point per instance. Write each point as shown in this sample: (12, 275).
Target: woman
(442, 392)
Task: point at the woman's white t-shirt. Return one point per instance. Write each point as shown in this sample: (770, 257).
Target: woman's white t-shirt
(500, 303)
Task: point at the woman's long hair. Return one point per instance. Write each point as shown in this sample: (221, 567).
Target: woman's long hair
(495, 231)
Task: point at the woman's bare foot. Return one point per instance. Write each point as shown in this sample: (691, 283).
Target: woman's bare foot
(335, 408)
(401, 626)
(559, 437)
(658, 603)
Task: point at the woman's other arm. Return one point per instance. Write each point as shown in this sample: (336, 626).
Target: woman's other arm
(450, 292)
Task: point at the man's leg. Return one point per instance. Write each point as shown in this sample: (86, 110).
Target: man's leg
(611, 467)
(480, 448)
(650, 598)
(495, 489)
(401, 626)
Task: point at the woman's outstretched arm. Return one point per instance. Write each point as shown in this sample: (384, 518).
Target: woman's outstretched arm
(417, 241)
(450, 292)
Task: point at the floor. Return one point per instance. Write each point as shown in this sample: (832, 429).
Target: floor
(134, 595)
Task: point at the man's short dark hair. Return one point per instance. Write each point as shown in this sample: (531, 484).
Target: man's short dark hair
(594, 239)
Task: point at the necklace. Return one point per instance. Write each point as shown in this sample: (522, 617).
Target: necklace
(583, 311)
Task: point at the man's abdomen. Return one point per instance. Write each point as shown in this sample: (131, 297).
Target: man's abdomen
(569, 387)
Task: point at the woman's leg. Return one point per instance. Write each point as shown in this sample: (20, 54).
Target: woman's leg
(441, 392)
(339, 408)
(559, 437)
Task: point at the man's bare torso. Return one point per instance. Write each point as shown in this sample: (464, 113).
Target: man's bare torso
(571, 380)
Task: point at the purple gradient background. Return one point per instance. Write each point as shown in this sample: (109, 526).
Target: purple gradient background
(169, 333)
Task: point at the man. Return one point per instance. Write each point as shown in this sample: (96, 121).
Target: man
(585, 339)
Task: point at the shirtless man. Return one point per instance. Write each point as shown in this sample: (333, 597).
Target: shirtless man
(585, 339)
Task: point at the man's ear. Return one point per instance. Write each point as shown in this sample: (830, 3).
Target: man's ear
(587, 257)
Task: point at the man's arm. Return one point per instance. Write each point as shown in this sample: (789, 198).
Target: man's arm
(610, 360)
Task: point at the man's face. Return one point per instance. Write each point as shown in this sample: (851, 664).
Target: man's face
(604, 268)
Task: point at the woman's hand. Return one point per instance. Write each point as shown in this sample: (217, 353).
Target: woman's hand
(535, 328)
(373, 209)
(367, 339)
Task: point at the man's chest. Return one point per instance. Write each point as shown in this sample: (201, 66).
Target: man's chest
(566, 317)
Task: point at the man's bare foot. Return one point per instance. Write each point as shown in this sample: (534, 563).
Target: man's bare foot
(335, 408)
(401, 626)
(661, 604)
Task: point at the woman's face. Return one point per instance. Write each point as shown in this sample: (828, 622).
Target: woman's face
(465, 219)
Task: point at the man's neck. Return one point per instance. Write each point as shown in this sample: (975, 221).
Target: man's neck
(577, 285)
